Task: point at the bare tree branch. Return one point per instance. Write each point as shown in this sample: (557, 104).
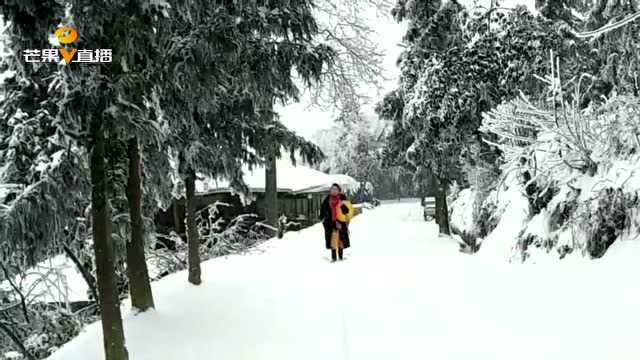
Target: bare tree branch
(15, 288)
(359, 63)
(609, 27)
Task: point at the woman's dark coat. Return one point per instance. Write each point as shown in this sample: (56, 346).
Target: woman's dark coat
(329, 226)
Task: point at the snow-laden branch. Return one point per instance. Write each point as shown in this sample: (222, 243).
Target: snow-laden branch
(609, 27)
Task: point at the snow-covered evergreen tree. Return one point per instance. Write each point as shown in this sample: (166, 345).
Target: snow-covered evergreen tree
(456, 66)
(41, 172)
(43, 187)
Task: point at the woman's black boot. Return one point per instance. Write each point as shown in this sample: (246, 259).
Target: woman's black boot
(340, 253)
(333, 255)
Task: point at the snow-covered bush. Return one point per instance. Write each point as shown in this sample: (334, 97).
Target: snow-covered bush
(169, 257)
(605, 218)
(218, 237)
(578, 171)
(58, 327)
(42, 328)
(242, 233)
(12, 355)
(563, 209)
(486, 218)
(462, 205)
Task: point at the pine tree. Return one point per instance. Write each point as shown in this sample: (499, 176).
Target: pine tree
(42, 175)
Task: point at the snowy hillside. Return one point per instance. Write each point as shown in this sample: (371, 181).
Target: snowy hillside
(402, 293)
(552, 198)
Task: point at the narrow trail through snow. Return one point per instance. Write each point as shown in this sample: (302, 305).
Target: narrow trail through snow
(402, 293)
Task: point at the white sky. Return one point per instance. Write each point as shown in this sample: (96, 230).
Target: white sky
(306, 120)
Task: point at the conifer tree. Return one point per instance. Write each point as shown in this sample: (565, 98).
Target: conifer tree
(42, 175)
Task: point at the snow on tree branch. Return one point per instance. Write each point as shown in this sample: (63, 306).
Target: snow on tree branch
(607, 28)
(345, 26)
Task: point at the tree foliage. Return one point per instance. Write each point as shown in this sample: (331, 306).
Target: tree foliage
(42, 183)
(221, 115)
(457, 66)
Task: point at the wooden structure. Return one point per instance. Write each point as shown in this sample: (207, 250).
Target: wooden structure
(301, 191)
(301, 207)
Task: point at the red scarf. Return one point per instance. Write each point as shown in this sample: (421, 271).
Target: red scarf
(334, 203)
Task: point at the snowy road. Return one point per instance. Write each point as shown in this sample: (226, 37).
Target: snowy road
(402, 293)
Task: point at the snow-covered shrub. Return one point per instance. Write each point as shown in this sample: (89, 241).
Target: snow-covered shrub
(168, 257)
(620, 129)
(486, 218)
(42, 328)
(472, 212)
(564, 209)
(578, 171)
(453, 194)
(536, 234)
(58, 327)
(502, 217)
(218, 236)
(461, 211)
(473, 215)
(242, 233)
(605, 218)
(12, 355)
(539, 196)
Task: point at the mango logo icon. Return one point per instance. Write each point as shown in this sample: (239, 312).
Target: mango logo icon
(67, 35)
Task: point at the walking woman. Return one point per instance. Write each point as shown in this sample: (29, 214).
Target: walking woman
(336, 212)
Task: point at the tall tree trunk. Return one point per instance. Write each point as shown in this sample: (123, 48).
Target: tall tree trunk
(112, 331)
(432, 183)
(193, 238)
(442, 211)
(271, 192)
(177, 224)
(139, 283)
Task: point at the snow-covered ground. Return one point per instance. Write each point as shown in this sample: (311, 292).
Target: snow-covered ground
(402, 293)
